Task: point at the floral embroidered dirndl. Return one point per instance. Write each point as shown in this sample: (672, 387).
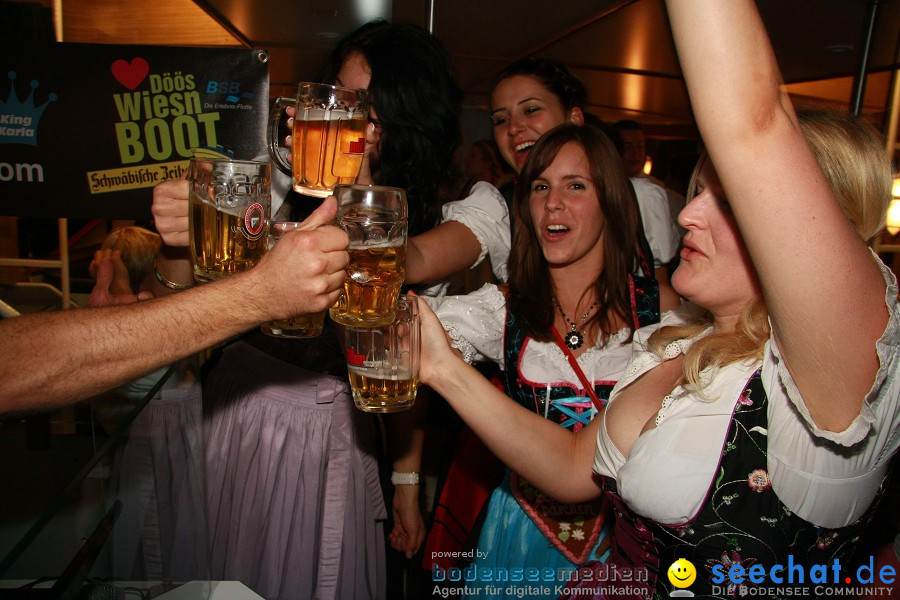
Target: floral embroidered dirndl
(742, 522)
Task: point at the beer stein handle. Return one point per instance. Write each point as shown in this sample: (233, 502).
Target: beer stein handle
(272, 133)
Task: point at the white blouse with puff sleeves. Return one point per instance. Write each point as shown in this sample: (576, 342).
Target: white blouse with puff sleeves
(476, 323)
(826, 478)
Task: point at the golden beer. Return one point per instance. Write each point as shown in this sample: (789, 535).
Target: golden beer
(383, 362)
(329, 147)
(223, 243)
(374, 277)
(383, 389)
(329, 137)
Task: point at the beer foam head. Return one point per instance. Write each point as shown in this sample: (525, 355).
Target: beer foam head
(382, 371)
(373, 244)
(330, 114)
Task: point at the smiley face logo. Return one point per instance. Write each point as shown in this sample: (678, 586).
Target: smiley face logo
(682, 573)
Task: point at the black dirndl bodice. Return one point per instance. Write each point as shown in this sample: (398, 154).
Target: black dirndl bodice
(570, 406)
(741, 522)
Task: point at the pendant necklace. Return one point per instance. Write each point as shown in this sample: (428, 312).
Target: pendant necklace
(574, 339)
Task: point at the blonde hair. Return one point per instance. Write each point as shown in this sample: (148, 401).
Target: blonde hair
(852, 157)
(138, 248)
(717, 349)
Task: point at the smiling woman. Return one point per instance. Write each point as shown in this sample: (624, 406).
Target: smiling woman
(528, 87)
(533, 95)
(524, 106)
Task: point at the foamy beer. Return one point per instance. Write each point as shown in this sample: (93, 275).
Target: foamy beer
(374, 218)
(229, 209)
(329, 137)
(383, 362)
(300, 326)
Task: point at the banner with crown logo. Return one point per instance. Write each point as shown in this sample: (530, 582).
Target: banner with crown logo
(87, 130)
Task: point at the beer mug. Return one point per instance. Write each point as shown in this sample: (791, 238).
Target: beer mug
(374, 217)
(329, 137)
(383, 362)
(230, 203)
(301, 326)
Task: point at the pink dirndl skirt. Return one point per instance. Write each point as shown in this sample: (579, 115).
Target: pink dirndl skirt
(295, 506)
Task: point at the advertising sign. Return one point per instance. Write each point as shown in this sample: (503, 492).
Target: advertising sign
(87, 130)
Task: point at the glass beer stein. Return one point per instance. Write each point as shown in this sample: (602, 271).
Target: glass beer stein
(329, 137)
(383, 362)
(230, 203)
(374, 218)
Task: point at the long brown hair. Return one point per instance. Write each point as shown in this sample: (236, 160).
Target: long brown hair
(531, 289)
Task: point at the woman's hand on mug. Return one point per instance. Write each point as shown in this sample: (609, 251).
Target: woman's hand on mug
(170, 211)
(436, 349)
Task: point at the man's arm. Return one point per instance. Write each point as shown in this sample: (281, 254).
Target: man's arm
(55, 358)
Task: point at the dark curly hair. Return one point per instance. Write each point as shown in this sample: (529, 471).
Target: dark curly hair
(418, 101)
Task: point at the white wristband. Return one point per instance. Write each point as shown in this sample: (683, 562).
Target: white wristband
(405, 478)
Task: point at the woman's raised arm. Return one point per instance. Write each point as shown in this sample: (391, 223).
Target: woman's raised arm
(824, 292)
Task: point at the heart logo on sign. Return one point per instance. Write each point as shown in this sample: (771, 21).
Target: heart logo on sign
(130, 74)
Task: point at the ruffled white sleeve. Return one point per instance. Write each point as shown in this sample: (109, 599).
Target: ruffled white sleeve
(826, 477)
(484, 212)
(882, 403)
(475, 323)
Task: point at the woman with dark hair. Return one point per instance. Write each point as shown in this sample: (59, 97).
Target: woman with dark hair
(411, 143)
(415, 112)
(563, 100)
(571, 300)
(533, 95)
